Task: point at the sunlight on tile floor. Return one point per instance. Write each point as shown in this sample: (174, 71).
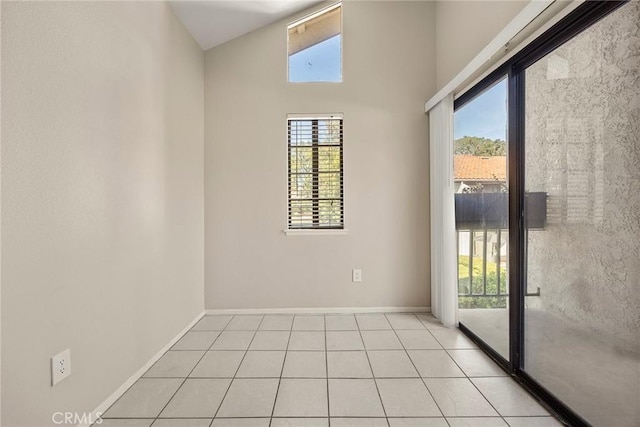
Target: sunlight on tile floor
(338, 370)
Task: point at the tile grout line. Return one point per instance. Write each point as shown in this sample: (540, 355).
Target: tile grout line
(326, 367)
(192, 369)
(205, 353)
(414, 365)
(317, 378)
(371, 367)
(286, 351)
(326, 377)
(238, 368)
(474, 385)
(485, 398)
(466, 376)
(143, 375)
(549, 414)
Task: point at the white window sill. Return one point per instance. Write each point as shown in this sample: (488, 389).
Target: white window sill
(315, 232)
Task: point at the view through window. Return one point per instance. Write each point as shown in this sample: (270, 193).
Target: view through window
(315, 47)
(480, 166)
(480, 174)
(315, 173)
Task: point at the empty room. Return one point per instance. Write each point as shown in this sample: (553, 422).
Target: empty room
(302, 213)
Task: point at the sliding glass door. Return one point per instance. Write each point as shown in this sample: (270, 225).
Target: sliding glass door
(549, 251)
(481, 199)
(582, 149)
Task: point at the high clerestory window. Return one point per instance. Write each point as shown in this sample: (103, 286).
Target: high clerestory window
(315, 47)
(316, 196)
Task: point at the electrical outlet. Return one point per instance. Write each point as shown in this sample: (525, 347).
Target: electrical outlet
(60, 366)
(356, 275)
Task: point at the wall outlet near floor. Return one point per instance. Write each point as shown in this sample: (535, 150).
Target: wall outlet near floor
(60, 366)
(356, 275)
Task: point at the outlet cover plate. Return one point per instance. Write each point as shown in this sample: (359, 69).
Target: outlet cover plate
(60, 366)
(356, 275)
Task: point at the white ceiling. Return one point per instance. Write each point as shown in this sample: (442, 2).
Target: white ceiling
(213, 22)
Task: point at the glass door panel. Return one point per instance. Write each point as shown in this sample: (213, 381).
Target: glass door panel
(582, 151)
(480, 173)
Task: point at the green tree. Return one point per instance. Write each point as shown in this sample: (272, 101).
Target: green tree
(476, 146)
(320, 145)
(491, 299)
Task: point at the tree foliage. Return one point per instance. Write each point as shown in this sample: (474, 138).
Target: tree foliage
(318, 144)
(473, 299)
(476, 146)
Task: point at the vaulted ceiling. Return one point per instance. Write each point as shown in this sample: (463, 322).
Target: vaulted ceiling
(214, 22)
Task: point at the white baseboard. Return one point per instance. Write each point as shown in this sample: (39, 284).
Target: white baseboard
(124, 387)
(318, 310)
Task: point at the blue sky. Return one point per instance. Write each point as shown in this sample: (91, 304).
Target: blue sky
(318, 63)
(485, 116)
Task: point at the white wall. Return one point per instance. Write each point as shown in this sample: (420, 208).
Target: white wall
(464, 28)
(102, 196)
(389, 72)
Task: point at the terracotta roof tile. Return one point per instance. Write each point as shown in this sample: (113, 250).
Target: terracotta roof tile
(476, 168)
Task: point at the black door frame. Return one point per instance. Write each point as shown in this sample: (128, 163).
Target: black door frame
(583, 17)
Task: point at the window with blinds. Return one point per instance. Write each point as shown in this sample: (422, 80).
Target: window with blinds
(316, 196)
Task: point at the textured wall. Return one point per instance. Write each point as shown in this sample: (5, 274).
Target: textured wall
(388, 73)
(102, 199)
(583, 128)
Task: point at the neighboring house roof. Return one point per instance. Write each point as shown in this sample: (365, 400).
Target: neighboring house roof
(476, 168)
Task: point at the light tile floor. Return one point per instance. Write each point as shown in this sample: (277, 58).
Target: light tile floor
(596, 375)
(369, 370)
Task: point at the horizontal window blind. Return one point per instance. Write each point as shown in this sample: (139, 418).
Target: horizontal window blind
(316, 195)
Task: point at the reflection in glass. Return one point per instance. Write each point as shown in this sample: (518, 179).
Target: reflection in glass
(582, 332)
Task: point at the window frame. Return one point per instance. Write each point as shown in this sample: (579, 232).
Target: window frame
(318, 230)
(306, 18)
